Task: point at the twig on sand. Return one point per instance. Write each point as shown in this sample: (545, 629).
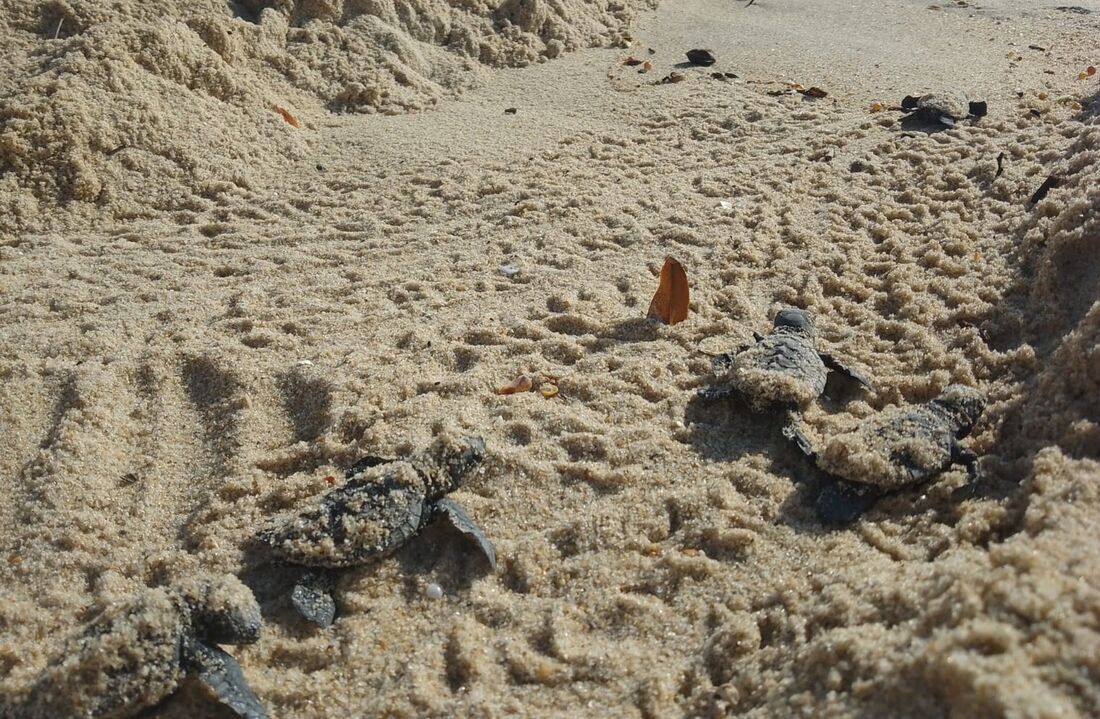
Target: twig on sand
(750, 2)
(58, 30)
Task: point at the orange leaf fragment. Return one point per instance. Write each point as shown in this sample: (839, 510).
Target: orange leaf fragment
(670, 302)
(522, 383)
(291, 120)
(647, 66)
(1090, 70)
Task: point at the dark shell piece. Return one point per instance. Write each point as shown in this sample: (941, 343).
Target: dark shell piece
(701, 57)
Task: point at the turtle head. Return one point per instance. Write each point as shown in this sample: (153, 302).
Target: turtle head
(792, 319)
(448, 461)
(223, 610)
(964, 404)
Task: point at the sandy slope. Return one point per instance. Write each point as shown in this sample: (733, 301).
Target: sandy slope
(174, 373)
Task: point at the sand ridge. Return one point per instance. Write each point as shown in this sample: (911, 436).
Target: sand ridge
(174, 377)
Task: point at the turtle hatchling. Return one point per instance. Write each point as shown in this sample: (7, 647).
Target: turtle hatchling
(134, 655)
(781, 369)
(383, 504)
(896, 448)
(947, 107)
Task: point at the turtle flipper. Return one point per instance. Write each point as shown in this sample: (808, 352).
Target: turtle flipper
(461, 521)
(967, 458)
(837, 366)
(312, 598)
(842, 502)
(796, 435)
(219, 671)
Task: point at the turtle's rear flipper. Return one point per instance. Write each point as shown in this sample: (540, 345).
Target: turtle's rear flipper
(461, 521)
(222, 674)
(312, 598)
(837, 366)
(842, 502)
(965, 457)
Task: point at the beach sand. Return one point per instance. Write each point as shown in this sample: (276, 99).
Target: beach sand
(206, 311)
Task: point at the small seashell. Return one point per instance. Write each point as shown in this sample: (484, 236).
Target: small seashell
(522, 383)
(433, 591)
(508, 270)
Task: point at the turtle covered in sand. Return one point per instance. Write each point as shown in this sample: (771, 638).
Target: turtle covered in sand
(382, 505)
(897, 448)
(783, 369)
(135, 654)
(947, 107)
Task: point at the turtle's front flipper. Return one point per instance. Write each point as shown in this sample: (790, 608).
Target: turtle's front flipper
(461, 521)
(222, 674)
(312, 598)
(842, 502)
(837, 366)
(962, 455)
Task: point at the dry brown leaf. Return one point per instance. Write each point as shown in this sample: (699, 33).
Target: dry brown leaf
(291, 120)
(670, 302)
(632, 61)
(522, 383)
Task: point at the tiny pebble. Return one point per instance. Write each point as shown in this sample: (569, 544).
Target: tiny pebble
(433, 591)
(725, 204)
(508, 270)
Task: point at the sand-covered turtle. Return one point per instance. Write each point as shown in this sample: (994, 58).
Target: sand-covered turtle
(894, 449)
(783, 369)
(135, 654)
(382, 504)
(946, 107)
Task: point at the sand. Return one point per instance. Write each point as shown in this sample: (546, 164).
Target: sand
(205, 311)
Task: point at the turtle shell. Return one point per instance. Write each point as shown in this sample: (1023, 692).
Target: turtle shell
(896, 448)
(365, 519)
(947, 107)
(126, 659)
(782, 368)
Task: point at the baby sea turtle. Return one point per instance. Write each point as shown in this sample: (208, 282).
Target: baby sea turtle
(896, 448)
(136, 654)
(782, 369)
(946, 107)
(383, 504)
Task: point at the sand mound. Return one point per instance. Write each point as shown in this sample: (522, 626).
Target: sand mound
(144, 109)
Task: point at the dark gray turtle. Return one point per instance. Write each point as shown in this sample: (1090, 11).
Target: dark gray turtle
(896, 448)
(783, 369)
(134, 655)
(946, 107)
(383, 504)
